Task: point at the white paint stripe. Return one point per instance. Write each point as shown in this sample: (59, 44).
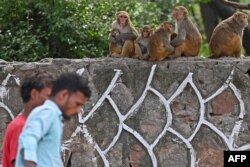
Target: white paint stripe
(168, 116)
(235, 133)
(144, 142)
(181, 87)
(141, 99)
(236, 130)
(5, 81)
(219, 91)
(17, 81)
(188, 144)
(65, 146)
(115, 139)
(244, 147)
(4, 92)
(202, 109)
(100, 101)
(87, 135)
(80, 116)
(7, 109)
(117, 111)
(216, 130)
(222, 88)
(239, 97)
(189, 79)
(67, 142)
(105, 161)
(80, 71)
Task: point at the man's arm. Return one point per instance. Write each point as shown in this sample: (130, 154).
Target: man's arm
(13, 142)
(28, 163)
(37, 125)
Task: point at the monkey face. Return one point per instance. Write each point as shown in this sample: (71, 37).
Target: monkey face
(241, 18)
(168, 27)
(179, 12)
(115, 32)
(146, 31)
(145, 34)
(122, 17)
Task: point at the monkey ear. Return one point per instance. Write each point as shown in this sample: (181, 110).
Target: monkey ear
(185, 12)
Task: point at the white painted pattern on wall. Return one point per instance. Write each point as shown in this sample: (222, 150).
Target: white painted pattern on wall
(4, 93)
(229, 140)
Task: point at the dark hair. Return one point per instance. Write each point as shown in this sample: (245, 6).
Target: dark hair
(71, 82)
(35, 80)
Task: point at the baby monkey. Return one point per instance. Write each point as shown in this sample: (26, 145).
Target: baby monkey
(115, 46)
(141, 43)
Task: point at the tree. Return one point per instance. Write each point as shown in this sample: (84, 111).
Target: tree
(34, 29)
(236, 4)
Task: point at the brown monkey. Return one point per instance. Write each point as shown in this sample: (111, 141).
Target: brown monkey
(226, 39)
(127, 35)
(159, 46)
(141, 43)
(188, 39)
(115, 46)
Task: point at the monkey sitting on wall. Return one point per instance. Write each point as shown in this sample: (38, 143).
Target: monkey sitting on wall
(141, 43)
(226, 39)
(188, 39)
(115, 46)
(127, 35)
(159, 46)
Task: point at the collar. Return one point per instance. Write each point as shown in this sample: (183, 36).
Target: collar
(53, 105)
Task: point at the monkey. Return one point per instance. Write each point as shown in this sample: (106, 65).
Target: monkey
(173, 36)
(159, 46)
(141, 43)
(127, 35)
(226, 39)
(188, 40)
(115, 46)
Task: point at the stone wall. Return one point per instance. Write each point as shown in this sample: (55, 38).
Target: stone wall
(176, 113)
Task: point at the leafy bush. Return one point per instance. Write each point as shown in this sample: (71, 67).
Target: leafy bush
(34, 29)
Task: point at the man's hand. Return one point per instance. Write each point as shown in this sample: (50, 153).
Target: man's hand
(29, 164)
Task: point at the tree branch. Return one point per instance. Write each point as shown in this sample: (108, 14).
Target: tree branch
(236, 4)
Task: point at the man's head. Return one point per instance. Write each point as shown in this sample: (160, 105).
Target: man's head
(70, 92)
(36, 87)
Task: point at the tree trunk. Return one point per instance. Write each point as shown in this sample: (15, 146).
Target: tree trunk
(210, 18)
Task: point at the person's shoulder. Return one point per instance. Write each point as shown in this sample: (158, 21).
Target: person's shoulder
(40, 112)
(47, 109)
(17, 123)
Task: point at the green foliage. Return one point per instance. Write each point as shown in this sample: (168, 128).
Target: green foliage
(34, 29)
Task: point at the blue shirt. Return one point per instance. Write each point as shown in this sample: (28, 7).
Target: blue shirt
(42, 136)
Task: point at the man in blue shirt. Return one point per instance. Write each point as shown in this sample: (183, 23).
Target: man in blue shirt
(40, 140)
